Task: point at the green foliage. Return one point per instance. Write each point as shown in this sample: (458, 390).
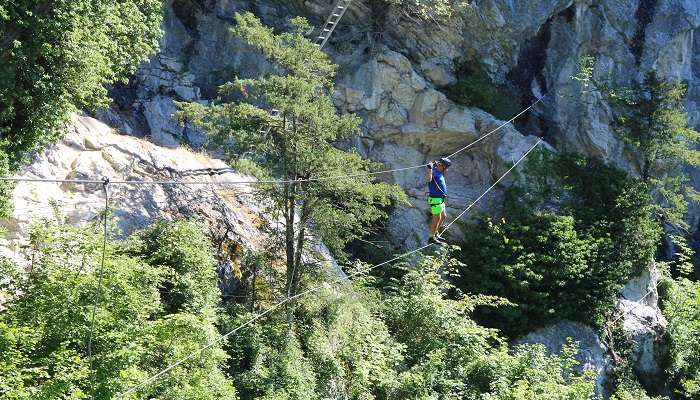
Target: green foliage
(632, 390)
(475, 88)
(650, 115)
(298, 144)
(407, 341)
(336, 348)
(57, 57)
(403, 341)
(549, 262)
(430, 10)
(47, 321)
(449, 356)
(681, 307)
(185, 256)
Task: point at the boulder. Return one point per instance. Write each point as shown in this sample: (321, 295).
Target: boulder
(644, 326)
(592, 353)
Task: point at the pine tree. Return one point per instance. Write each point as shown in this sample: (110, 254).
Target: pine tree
(299, 142)
(650, 115)
(652, 118)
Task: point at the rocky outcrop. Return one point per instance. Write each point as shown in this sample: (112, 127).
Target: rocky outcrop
(592, 353)
(644, 326)
(91, 150)
(638, 314)
(409, 122)
(395, 71)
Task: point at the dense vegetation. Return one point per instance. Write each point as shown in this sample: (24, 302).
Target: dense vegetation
(57, 57)
(160, 303)
(297, 143)
(576, 233)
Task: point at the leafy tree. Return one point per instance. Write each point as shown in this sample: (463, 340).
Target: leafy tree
(450, 356)
(44, 330)
(57, 57)
(652, 118)
(415, 344)
(300, 142)
(650, 115)
(576, 233)
(681, 307)
(186, 258)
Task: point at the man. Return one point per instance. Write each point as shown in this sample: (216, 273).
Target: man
(436, 197)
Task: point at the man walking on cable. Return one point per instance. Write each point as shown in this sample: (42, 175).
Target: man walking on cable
(437, 189)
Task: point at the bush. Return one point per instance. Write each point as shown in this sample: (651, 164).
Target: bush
(449, 356)
(681, 307)
(573, 236)
(44, 330)
(57, 58)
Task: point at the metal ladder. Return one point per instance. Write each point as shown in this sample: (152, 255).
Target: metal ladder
(339, 9)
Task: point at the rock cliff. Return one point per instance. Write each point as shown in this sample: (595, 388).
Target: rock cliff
(91, 150)
(399, 75)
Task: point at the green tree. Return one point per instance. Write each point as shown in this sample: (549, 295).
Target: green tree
(575, 233)
(652, 118)
(299, 142)
(681, 307)
(650, 115)
(449, 356)
(44, 329)
(57, 57)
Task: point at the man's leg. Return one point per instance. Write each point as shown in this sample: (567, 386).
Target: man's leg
(434, 224)
(442, 218)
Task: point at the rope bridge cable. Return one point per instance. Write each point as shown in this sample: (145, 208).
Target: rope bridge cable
(314, 289)
(105, 187)
(255, 182)
(636, 306)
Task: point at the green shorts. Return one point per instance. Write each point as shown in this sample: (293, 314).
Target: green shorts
(437, 205)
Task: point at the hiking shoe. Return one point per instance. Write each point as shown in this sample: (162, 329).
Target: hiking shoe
(434, 239)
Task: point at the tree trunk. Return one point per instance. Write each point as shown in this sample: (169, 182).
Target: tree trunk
(290, 209)
(301, 237)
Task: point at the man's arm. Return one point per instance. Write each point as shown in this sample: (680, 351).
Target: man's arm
(429, 172)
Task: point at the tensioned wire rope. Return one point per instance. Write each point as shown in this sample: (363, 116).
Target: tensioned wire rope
(258, 316)
(93, 373)
(282, 181)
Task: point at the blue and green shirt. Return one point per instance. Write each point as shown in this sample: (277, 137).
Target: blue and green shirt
(437, 186)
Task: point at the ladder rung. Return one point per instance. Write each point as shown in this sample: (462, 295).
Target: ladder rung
(326, 30)
(336, 15)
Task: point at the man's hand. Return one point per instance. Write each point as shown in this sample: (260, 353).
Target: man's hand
(430, 164)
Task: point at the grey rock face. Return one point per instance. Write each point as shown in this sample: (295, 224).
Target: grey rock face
(592, 354)
(91, 150)
(395, 70)
(644, 325)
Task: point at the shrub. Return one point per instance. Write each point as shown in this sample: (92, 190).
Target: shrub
(573, 236)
